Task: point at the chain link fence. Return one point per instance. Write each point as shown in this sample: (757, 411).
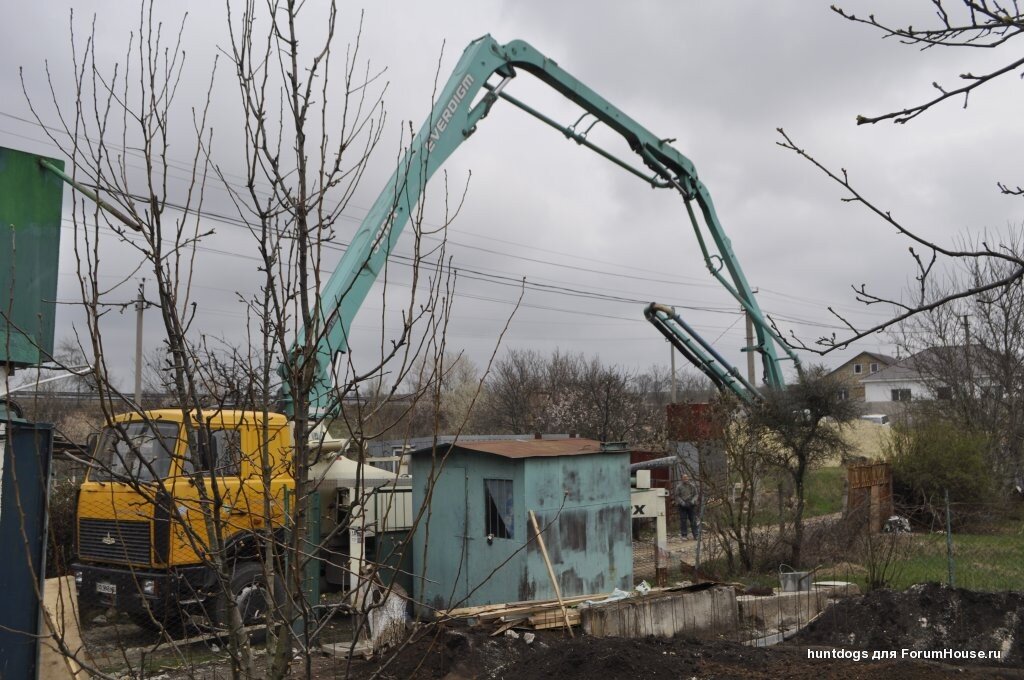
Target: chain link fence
(975, 546)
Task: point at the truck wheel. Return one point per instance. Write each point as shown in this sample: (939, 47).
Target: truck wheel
(253, 596)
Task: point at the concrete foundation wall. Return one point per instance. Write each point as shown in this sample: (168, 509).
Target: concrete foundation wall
(773, 613)
(707, 611)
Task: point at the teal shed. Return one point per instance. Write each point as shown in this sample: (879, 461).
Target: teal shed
(473, 544)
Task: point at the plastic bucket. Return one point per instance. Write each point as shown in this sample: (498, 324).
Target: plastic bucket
(793, 581)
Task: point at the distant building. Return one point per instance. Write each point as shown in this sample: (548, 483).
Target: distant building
(851, 374)
(932, 373)
(901, 382)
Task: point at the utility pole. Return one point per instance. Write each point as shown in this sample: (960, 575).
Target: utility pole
(750, 349)
(140, 305)
(750, 345)
(967, 353)
(672, 357)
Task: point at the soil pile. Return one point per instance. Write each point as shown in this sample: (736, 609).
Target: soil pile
(924, 617)
(459, 655)
(467, 654)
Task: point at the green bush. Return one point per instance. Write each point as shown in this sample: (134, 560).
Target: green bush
(931, 456)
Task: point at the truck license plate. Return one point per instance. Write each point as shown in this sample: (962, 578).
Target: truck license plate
(106, 588)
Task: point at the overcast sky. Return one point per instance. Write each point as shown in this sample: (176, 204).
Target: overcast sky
(719, 77)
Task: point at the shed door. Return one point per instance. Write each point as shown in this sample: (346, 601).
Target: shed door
(448, 541)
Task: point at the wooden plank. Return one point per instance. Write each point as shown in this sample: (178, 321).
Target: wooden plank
(505, 626)
(551, 571)
(465, 612)
(555, 624)
(540, 606)
(573, 617)
(60, 620)
(342, 650)
(460, 612)
(492, 611)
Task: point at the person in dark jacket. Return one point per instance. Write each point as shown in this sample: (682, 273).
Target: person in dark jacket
(685, 495)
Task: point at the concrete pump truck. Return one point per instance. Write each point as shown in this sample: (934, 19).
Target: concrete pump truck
(141, 528)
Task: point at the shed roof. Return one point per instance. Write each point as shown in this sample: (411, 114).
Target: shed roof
(530, 448)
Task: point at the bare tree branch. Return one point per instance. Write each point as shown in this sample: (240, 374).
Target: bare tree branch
(1014, 272)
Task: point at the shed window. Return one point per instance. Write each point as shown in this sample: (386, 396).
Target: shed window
(498, 521)
(901, 395)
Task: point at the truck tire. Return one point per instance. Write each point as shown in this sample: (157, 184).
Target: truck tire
(253, 596)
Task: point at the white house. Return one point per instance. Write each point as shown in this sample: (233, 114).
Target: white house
(897, 383)
(913, 378)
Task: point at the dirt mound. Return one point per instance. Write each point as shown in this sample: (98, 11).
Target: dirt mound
(466, 654)
(924, 617)
(470, 654)
(590, 657)
(927, 618)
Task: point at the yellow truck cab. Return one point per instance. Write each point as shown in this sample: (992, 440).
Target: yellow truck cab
(133, 557)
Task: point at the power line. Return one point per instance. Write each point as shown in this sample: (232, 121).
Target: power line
(478, 274)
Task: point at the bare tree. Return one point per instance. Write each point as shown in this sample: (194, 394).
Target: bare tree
(967, 24)
(970, 353)
(732, 513)
(446, 389)
(231, 375)
(61, 394)
(568, 393)
(974, 24)
(298, 182)
(802, 426)
(125, 111)
(514, 393)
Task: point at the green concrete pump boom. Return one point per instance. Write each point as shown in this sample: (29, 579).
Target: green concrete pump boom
(467, 98)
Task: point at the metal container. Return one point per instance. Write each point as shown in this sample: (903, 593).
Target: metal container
(793, 581)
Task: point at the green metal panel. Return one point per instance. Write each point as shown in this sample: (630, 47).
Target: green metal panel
(440, 552)
(393, 552)
(584, 503)
(30, 211)
(497, 567)
(24, 478)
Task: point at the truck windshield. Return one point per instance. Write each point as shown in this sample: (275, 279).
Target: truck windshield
(135, 451)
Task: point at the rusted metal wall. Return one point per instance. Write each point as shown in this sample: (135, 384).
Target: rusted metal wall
(584, 503)
(584, 499)
(661, 477)
(691, 422)
(694, 435)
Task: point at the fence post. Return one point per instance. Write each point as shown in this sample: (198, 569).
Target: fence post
(951, 566)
